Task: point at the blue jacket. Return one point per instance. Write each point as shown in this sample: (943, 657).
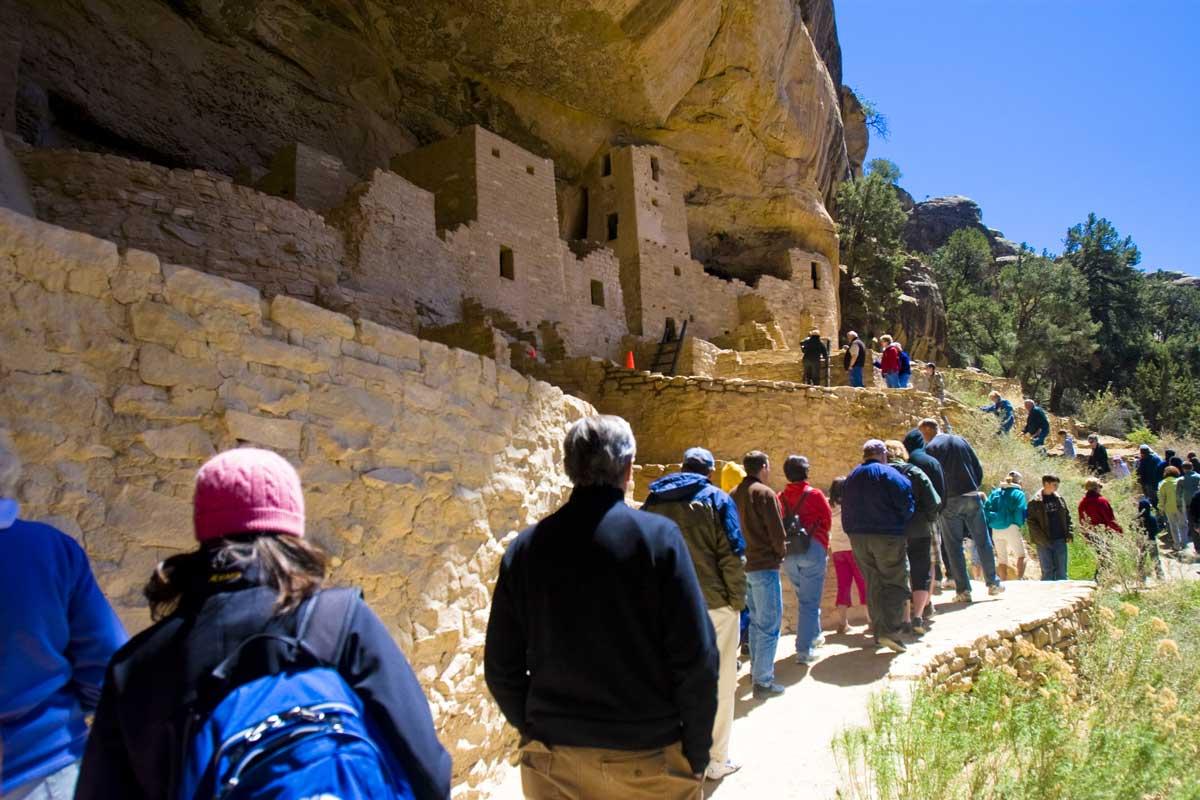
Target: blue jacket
(876, 499)
(1150, 469)
(59, 633)
(1006, 506)
(694, 486)
(964, 473)
(1004, 411)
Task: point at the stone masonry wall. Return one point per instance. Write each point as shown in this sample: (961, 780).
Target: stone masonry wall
(191, 217)
(120, 375)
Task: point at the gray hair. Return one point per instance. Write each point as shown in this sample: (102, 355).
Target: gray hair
(598, 450)
(10, 467)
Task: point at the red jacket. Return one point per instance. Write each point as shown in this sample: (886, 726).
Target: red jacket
(1095, 510)
(815, 515)
(890, 360)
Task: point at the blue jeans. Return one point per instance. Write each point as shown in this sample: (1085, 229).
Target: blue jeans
(856, 378)
(807, 574)
(963, 518)
(764, 599)
(902, 379)
(55, 786)
(892, 379)
(1053, 558)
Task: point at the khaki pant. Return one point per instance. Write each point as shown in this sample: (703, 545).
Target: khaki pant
(727, 623)
(588, 773)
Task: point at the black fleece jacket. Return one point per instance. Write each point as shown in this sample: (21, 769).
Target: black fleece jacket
(136, 740)
(599, 635)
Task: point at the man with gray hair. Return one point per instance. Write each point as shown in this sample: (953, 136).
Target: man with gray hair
(599, 648)
(59, 634)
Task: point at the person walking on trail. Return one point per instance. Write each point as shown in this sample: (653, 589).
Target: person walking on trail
(1194, 460)
(1050, 529)
(904, 375)
(1003, 411)
(1037, 424)
(845, 568)
(1095, 513)
(599, 648)
(235, 620)
(59, 633)
(1149, 473)
(918, 534)
(807, 519)
(855, 358)
(708, 519)
(915, 444)
(889, 362)
(962, 517)
(762, 525)
(1006, 509)
(1171, 504)
(1194, 517)
(1098, 463)
(1148, 521)
(1188, 489)
(816, 355)
(877, 504)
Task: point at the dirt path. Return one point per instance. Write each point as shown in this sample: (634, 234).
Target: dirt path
(784, 743)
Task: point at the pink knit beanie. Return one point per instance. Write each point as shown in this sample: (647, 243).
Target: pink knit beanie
(246, 491)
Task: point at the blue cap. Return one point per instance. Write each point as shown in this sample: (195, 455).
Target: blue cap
(699, 457)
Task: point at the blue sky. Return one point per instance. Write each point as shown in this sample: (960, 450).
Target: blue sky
(1041, 111)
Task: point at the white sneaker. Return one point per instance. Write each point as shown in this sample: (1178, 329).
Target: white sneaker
(718, 771)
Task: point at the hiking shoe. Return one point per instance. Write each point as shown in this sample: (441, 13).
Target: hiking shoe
(892, 642)
(995, 589)
(765, 690)
(807, 658)
(919, 627)
(718, 771)
(745, 649)
(962, 597)
(819, 641)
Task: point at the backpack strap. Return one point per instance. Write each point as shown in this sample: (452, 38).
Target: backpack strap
(325, 623)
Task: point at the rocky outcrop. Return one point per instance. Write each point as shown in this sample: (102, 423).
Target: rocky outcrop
(854, 122)
(745, 91)
(931, 222)
(920, 321)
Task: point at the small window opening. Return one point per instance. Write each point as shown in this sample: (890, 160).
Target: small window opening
(606, 166)
(816, 275)
(612, 227)
(654, 171)
(496, 152)
(507, 266)
(678, 272)
(598, 294)
(529, 170)
(654, 202)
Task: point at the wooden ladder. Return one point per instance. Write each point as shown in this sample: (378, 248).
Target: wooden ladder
(666, 357)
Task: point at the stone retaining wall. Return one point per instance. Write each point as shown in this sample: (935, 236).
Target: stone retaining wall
(120, 375)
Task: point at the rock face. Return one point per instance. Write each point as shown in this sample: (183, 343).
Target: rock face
(854, 121)
(746, 92)
(931, 222)
(921, 320)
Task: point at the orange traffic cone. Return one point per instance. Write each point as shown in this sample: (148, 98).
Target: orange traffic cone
(629, 360)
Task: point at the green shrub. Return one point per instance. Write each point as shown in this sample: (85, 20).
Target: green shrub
(1141, 436)
(1119, 723)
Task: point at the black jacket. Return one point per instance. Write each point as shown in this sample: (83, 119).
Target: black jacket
(814, 349)
(964, 473)
(599, 635)
(1098, 463)
(136, 740)
(914, 443)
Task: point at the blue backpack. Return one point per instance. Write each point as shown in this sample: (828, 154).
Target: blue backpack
(300, 732)
(905, 363)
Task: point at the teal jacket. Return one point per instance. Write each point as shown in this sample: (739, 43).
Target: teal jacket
(1006, 506)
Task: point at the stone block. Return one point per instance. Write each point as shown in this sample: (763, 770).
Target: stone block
(47, 254)
(309, 319)
(275, 353)
(162, 324)
(278, 434)
(188, 441)
(158, 366)
(192, 289)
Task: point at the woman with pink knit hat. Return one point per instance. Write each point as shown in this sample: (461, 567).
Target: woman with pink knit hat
(236, 619)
